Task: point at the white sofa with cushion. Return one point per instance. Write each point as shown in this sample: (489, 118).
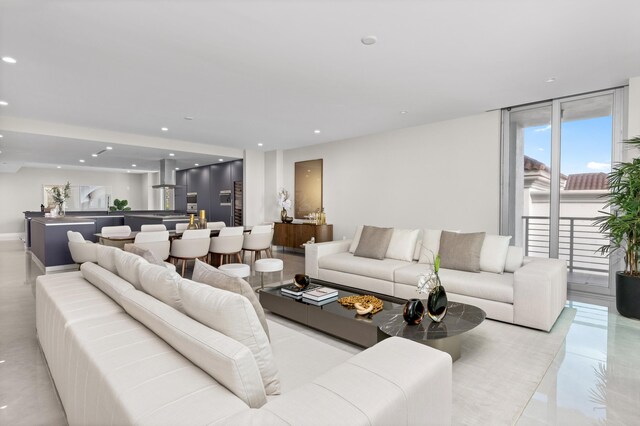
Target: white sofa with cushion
(128, 342)
(509, 287)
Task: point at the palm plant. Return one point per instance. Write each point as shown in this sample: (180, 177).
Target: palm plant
(622, 223)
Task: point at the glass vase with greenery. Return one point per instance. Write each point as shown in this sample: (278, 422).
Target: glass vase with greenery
(60, 196)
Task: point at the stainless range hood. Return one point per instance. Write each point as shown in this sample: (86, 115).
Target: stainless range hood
(167, 174)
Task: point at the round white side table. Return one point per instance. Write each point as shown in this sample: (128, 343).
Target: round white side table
(269, 265)
(237, 269)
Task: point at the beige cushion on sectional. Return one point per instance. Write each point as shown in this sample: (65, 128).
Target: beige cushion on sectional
(403, 244)
(374, 242)
(493, 254)
(514, 259)
(210, 275)
(232, 315)
(127, 266)
(106, 257)
(162, 284)
(228, 361)
(461, 251)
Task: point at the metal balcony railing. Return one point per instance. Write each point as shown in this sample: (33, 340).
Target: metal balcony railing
(579, 240)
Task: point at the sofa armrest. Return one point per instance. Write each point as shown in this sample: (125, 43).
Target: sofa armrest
(389, 383)
(313, 253)
(539, 292)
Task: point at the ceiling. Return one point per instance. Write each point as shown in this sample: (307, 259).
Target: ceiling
(273, 72)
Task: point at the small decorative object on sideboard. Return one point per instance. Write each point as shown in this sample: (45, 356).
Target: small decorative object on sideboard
(413, 311)
(202, 223)
(192, 224)
(285, 204)
(437, 300)
(288, 219)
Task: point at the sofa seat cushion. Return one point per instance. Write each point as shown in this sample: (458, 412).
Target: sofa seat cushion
(373, 268)
(483, 285)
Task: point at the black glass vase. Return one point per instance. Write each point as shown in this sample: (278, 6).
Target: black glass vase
(437, 302)
(413, 311)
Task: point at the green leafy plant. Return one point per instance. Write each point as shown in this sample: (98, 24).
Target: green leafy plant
(622, 224)
(60, 195)
(119, 205)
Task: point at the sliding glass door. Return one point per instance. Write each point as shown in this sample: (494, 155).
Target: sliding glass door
(557, 155)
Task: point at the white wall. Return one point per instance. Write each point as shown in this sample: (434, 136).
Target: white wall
(439, 175)
(23, 190)
(253, 187)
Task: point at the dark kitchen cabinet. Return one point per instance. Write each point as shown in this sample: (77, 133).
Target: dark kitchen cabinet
(181, 191)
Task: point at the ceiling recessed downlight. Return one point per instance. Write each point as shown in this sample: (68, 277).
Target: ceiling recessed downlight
(94, 155)
(171, 154)
(403, 112)
(128, 171)
(316, 131)
(196, 164)
(109, 148)
(165, 129)
(260, 144)
(550, 80)
(133, 165)
(177, 168)
(1, 136)
(9, 60)
(82, 161)
(220, 159)
(58, 167)
(4, 103)
(369, 40)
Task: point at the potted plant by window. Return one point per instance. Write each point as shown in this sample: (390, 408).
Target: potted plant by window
(622, 227)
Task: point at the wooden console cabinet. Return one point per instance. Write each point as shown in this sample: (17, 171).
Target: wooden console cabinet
(295, 234)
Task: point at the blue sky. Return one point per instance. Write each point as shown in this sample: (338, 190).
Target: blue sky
(586, 145)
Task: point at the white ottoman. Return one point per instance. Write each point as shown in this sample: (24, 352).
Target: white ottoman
(237, 269)
(268, 265)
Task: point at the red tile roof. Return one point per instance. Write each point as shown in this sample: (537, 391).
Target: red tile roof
(586, 181)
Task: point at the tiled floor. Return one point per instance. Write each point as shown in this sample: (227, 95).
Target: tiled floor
(594, 379)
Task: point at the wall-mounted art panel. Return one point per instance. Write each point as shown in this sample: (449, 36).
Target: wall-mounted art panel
(308, 187)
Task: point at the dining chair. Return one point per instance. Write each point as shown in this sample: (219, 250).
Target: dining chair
(181, 227)
(157, 242)
(194, 244)
(216, 225)
(153, 228)
(258, 241)
(81, 250)
(111, 231)
(226, 246)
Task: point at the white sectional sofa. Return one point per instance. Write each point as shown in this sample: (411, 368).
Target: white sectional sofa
(128, 343)
(529, 291)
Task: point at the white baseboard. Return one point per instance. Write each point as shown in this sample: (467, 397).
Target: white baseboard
(12, 236)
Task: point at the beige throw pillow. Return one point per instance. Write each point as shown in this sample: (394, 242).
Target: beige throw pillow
(147, 255)
(207, 274)
(461, 251)
(127, 265)
(374, 242)
(162, 284)
(494, 253)
(232, 315)
(106, 257)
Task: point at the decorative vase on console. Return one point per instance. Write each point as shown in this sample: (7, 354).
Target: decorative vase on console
(61, 209)
(437, 296)
(285, 203)
(60, 196)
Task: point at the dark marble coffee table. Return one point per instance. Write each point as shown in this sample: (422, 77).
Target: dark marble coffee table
(444, 335)
(368, 330)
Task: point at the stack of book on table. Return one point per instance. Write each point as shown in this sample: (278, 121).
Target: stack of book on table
(296, 292)
(320, 296)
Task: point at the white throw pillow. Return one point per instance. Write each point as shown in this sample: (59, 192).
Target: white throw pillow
(402, 244)
(494, 253)
(106, 257)
(356, 239)
(430, 245)
(127, 265)
(416, 252)
(232, 315)
(162, 284)
(515, 257)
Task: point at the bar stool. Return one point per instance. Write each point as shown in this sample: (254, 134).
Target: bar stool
(236, 269)
(269, 265)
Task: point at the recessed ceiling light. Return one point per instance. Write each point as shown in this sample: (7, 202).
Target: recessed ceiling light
(4, 103)
(82, 161)
(1, 136)
(177, 168)
(403, 112)
(188, 118)
(9, 60)
(196, 164)
(94, 155)
(133, 165)
(220, 159)
(316, 131)
(128, 171)
(58, 167)
(171, 154)
(109, 148)
(165, 129)
(260, 144)
(550, 80)
(369, 40)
